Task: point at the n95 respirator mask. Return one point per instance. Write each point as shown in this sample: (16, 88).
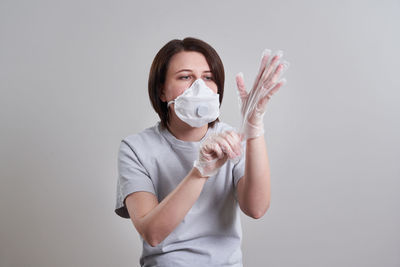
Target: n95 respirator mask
(197, 105)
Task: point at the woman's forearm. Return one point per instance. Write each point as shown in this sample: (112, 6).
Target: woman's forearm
(256, 192)
(169, 213)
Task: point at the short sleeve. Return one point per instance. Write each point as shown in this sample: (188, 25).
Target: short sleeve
(238, 168)
(132, 177)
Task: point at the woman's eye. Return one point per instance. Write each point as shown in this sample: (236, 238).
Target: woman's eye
(184, 77)
(208, 78)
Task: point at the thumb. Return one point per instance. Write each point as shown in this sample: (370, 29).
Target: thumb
(240, 85)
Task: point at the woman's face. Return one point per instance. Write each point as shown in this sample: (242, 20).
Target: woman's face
(184, 68)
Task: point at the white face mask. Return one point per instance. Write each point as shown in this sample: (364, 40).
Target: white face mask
(198, 105)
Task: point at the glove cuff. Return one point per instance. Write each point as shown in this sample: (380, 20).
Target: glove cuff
(253, 130)
(202, 167)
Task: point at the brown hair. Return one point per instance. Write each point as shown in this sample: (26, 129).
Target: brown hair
(159, 68)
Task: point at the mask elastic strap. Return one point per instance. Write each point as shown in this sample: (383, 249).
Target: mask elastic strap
(170, 102)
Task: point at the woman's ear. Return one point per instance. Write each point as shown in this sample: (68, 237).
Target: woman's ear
(162, 95)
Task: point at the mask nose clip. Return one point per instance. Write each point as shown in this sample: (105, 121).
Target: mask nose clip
(202, 111)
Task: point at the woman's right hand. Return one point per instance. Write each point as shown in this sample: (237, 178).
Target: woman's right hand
(216, 150)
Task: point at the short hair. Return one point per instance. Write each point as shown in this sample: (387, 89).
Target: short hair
(159, 67)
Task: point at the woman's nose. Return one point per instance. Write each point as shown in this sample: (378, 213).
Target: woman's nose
(197, 81)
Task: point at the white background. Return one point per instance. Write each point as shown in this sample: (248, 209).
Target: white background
(73, 80)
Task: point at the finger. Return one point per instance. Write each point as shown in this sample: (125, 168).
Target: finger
(279, 70)
(226, 148)
(274, 77)
(234, 135)
(237, 142)
(212, 151)
(240, 85)
(258, 92)
(211, 147)
(271, 92)
(218, 151)
(234, 141)
(264, 60)
(271, 66)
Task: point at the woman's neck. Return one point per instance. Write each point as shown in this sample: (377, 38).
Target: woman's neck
(185, 132)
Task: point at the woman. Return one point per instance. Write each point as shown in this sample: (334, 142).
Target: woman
(182, 181)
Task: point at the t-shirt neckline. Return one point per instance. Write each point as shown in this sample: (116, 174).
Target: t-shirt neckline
(185, 144)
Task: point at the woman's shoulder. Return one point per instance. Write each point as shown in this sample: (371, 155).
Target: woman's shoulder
(146, 138)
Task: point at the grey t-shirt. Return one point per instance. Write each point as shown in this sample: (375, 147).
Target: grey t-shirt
(210, 234)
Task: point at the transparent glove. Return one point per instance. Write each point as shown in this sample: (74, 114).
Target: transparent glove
(216, 150)
(253, 103)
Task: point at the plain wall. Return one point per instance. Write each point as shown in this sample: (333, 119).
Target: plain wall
(73, 79)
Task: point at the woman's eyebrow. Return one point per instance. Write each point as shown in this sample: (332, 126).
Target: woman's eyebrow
(183, 70)
(189, 70)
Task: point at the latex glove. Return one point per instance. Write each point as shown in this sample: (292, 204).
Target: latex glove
(253, 103)
(216, 150)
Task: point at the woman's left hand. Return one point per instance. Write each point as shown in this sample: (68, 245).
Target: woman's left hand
(253, 103)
